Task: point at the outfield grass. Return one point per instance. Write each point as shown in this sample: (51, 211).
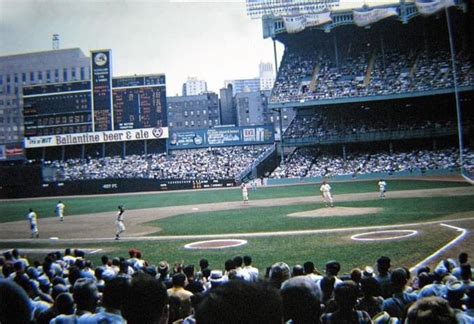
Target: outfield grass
(266, 219)
(17, 209)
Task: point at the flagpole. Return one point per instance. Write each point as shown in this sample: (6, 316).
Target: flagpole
(456, 91)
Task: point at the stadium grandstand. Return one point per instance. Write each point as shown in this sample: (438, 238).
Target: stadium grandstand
(375, 90)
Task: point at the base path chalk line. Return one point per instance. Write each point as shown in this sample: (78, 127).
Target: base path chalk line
(240, 235)
(443, 249)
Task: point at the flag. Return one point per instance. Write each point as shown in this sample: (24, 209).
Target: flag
(364, 18)
(427, 8)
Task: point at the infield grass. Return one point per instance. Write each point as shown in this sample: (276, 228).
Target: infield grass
(12, 210)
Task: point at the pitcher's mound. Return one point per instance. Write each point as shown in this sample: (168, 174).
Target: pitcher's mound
(337, 211)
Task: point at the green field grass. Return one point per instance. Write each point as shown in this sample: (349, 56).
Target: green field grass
(295, 249)
(265, 219)
(17, 209)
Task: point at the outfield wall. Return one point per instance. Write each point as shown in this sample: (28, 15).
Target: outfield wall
(106, 186)
(371, 176)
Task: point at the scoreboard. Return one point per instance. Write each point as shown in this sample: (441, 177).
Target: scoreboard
(104, 109)
(57, 109)
(139, 102)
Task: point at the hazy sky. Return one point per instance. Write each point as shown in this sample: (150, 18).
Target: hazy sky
(211, 40)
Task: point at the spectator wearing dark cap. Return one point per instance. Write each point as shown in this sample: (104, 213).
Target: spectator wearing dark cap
(332, 270)
(431, 310)
(241, 302)
(396, 305)
(462, 258)
(345, 295)
(147, 301)
(251, 270)
(311, 272)
(437, 288)
(178, 290)
(203, 264)
(17, 256)
(330, 280)
(194, 284)
(383, 276)
(371, 301)
(301, 300)
(241, 272)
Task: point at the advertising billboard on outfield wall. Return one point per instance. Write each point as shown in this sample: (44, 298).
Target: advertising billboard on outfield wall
(97, 137)
(221, 136)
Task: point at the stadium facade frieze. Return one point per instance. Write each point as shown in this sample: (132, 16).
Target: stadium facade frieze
(97, 137)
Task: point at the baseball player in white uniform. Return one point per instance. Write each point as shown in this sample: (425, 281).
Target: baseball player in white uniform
(59, 210)
(382, 188)
(326, 193)
(245, 194)
(32, 218)
(119, 225)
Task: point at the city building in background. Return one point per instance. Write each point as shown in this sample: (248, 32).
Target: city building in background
(228, 115)
(194, 87)
(243, 85)
(193, 112)
(39, 68)
(251, 108)
(267, 76)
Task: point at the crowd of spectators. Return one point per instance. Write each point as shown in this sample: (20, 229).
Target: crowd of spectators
(195, 164)
(312, 74)
(309, 162)
(328, 122)
(68, 288)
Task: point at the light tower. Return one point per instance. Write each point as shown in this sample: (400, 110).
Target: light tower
(55, 41)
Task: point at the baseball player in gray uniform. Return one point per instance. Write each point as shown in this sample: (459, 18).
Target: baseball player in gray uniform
(382, 188)
(326, 193)
(33, 219)
(119, 225)
(59, 210)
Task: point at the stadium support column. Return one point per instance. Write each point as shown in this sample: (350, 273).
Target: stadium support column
(124, 150)
(456, 91)
(336, 54)
(145, 147)
(282, 154)
(103, 150)
(83, 151)
(344, 154)
(275, 56)
(63, 152)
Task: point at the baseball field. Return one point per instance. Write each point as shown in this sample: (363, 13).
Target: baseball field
(419, 221)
